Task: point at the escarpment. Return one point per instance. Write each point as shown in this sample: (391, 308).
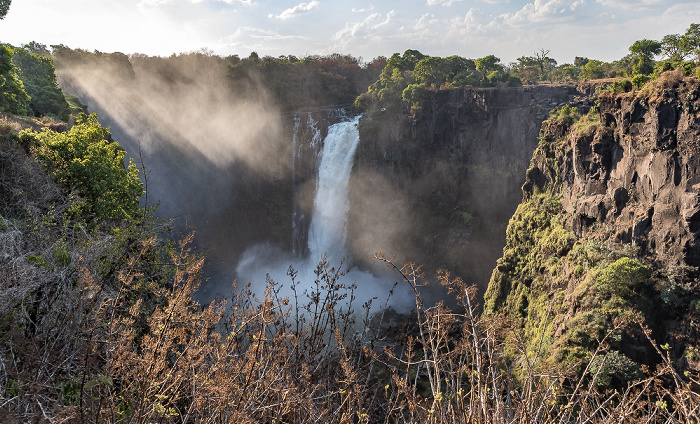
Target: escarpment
(447, 176)
(605, 241)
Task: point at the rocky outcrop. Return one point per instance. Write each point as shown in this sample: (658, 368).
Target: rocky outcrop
(605, 240)
(438, 186)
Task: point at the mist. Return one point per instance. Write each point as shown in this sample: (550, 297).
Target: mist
(222, 159)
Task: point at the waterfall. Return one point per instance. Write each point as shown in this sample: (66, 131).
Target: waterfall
(328, 229)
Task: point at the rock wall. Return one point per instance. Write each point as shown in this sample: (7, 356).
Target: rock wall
(605, 241)
(439, 186)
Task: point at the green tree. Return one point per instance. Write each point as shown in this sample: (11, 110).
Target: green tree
(488, 64)
(430, 71)
(544, 63)
(38, 48)
(593, 69)
(671, 47)
(85, 159)
(38, 76)
(623, 278)
(414, 94)
(527, 68)
(13, 97)
(690, 41)
(580, 62)
(4, 8)
(643, 52)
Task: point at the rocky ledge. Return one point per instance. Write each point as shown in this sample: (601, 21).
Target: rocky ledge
(605, 242)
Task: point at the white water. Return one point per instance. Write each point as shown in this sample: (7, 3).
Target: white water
(327, 232)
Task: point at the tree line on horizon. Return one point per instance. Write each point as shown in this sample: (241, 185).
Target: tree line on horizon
(28, 84)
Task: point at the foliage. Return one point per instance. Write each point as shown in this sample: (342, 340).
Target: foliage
(4, 8)
(311, 81)
(414, 69)
(614, 369)
(622, 278)
(414, 94)
(38, 76)
(565, 115)
(13, 97)
(593, 69)
(539, 67)
(639, 80)
(85, 159)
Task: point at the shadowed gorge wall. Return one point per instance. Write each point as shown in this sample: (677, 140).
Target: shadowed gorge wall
(438, 187)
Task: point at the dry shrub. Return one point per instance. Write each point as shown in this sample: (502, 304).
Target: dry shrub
(144, 351)
(664, 85)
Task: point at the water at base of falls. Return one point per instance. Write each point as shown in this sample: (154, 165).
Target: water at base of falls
(327, 232)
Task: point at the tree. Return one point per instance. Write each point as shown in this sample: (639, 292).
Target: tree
(13, 97)
(671, 47)
(38, 76)
(646, 48)
(643, 52)
(4, 8)
(580, 62)
(593, 69)
(527, 68)
(87, 160)
(690, 42)
(430, 71)
(488, 64)
(544, 62)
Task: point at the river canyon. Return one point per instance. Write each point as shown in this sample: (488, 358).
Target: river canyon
(436, 187)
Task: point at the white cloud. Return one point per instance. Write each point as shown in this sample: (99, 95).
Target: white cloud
(369, 9)
(426, 21)
(297, 10)
(544, 11)
(375, 29)
(446, 3)
(633, 4)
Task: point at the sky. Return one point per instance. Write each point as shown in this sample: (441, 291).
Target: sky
(597, 29)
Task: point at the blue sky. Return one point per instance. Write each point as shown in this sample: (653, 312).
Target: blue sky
(598, 29)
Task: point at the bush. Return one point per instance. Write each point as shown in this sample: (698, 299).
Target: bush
(566, 114)
(622, 86)
(622, 277)
(85, 159)
(639, 80)
(614, 370)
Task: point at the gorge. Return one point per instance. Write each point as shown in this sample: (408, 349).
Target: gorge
(435, 187)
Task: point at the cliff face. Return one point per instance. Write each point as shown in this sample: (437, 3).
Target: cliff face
(439, 187)
(607, 234)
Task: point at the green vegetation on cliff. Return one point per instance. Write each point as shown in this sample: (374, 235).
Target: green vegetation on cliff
(38, 75)
(85, 158)
(585, 297)
(13, 97)
(405, 77)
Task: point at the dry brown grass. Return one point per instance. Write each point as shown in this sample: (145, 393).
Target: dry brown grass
(142, 351)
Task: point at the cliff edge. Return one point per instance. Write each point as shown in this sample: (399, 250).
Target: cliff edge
(603, 250)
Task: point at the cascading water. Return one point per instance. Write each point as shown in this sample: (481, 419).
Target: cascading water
(328, 229)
